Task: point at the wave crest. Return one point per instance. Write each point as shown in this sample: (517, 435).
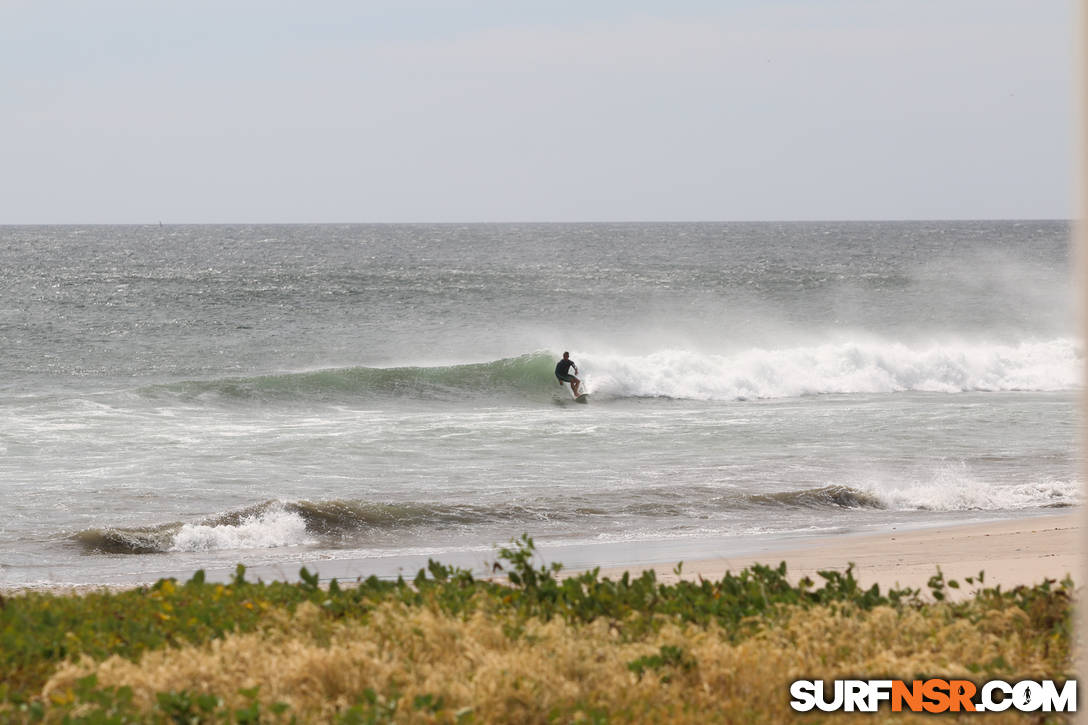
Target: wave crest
(274, 524)
(843, 368)
(266, 526)
(336, 523)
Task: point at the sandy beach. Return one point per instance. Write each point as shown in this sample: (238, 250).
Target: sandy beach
(1011, 553)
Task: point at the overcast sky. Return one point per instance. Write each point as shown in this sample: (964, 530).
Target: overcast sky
(500, 110)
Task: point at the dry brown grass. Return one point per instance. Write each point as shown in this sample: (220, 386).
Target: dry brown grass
(566, 671)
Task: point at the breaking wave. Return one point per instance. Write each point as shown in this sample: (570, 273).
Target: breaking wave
(840, 368)
(823, 497)
(952, 490)
(274, 524)
(259, 527)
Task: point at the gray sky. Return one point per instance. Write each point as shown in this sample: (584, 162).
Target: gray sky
(137, 111)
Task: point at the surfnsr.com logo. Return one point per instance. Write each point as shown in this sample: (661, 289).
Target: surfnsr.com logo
(934, 695)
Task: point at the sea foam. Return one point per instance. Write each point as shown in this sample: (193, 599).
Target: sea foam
(271, 528)
(954, 488)
(847, 367)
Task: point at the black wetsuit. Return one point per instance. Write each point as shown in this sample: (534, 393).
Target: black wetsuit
(562, 370)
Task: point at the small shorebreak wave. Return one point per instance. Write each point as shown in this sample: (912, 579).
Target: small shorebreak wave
(338, 523)
(950, 490)
(275, 523)
(832, 496)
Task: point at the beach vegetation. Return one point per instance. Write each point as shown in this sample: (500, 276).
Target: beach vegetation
(533, 646)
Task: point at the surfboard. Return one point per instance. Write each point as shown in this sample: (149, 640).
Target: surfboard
(583, 398)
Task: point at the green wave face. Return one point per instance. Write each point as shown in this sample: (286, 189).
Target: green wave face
(527, 376)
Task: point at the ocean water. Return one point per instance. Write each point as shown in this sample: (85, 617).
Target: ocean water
(358, 398)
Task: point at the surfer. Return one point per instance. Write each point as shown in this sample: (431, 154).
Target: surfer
(562, 372)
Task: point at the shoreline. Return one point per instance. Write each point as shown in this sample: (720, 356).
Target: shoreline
(1010, 552)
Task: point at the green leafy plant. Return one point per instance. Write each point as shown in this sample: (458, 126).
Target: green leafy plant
(40, 631)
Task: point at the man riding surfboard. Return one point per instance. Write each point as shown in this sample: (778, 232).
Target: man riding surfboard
(562, 372)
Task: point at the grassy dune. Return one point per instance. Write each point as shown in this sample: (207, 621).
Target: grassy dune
(449, 648)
